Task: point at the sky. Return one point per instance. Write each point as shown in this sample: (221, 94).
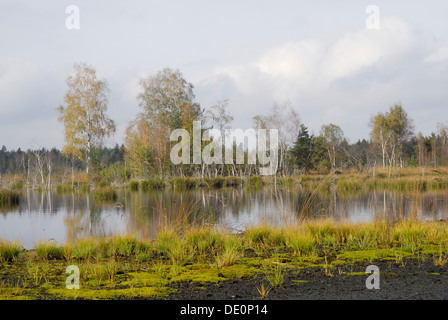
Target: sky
(328, 58)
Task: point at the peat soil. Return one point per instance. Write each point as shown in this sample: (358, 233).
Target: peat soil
(410, 280)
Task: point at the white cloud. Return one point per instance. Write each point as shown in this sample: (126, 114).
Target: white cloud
(298, 61)
(440, 55)
(312, 60)
(343, 81)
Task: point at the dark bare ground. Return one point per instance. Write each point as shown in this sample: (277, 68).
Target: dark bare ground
(411, 280)
(309, 289)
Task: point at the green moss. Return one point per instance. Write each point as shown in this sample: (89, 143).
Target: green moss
(204, 273)
(239, 271)
(105, 294)
(145, 279)
(338, 262)
(15, 294)
(430, 249)
(307, 261)
(198, 273)
(371, 254)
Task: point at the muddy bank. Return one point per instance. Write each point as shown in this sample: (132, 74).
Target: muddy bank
(410, 280)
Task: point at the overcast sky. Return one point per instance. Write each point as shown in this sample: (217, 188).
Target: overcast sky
(319, 55)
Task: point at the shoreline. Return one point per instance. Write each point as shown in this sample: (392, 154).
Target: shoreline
(401, 179)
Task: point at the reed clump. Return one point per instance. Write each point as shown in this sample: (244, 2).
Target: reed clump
(154, 183)
(106, 193)
(48, 250)
(255, 181)
(134, 185)
(233, 181)
(64, 188)
(204, 240)
(9, 251)
(18, 185)
(350, 185)
(9, 197)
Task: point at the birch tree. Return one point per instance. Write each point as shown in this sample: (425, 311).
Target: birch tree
(390, 131)
(442, 129)
(286, 120)
(332, 136)
(380, 134)
(219, 116)
(84, 116)
(167, 103)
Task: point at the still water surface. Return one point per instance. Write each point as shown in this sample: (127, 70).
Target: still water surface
(66, 217)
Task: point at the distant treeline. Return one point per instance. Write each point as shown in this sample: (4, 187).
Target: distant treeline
(53, 160)
(307, 154)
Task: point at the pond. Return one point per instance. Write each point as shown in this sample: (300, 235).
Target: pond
(66, 217)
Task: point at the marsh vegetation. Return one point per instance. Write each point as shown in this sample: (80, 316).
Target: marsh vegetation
(123, 266)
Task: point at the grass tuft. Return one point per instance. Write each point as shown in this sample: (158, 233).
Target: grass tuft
(48, 250)
(9, 251)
